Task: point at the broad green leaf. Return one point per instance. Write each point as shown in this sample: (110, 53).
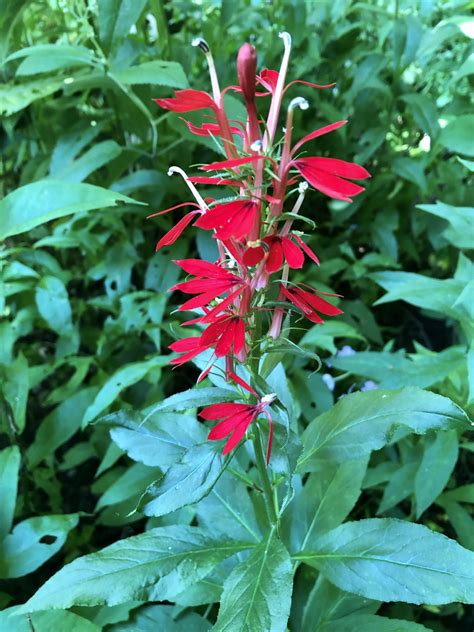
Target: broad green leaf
(228, 510)
(16, 97)
(116, 17)
(47, 57)
(460, 219)
(400, 485)
(130, 485)
(395, 370)
(392, 560)
(57, 620)
(42, 201)
(462, 521)
(94, 158)
(120, 380)
(439, 459)
(326, 604)
(159, 440)
(157, 72)
(323, 336)
(373, 623)
(194, 398)
(141, 179)
(323, 503)
(153, 566)
(15, 386)
(71, 143)
(362, 422)
(187, 481)
(9, 468)
(457, 135)
(32, 542)
(154, 618)
(53, 304)
(257, 594)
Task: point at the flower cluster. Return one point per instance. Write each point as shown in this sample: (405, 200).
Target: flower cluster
(253, 226)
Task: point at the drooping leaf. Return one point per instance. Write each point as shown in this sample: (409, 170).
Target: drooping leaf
(157, 72)
(9, 469)
(47, 57)
(362, 422)
(32, 542)
(153, 566)
(392, 560)
(257, 594)
(187, 481)
(42, 201)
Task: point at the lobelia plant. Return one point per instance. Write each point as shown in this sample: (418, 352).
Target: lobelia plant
(261, 518)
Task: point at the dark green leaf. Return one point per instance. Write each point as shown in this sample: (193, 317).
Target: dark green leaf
(9, 469)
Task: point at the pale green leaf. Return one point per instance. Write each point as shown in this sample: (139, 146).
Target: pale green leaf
(157, 72)
(9, 469)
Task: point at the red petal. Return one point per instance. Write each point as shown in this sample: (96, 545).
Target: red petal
(307, 83)
(234, 162)
(239, 336)
(319, 132)
(293, 255)
(226, 409)
(187, 101)
(172, 208)
(328, 184)
(209, 317)
(241, 382)
(319, 303)
(306, 248)
(213, 180)
(173, 234)
(201, 268)
(275, 256)
(226, 339)
(252, 256)
(236, 436)
(186, 344)
(337, 167)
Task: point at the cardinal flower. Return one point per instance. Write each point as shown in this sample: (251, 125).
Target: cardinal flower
(189, 347)
(310, 303)
(225, 333)
(235, 418)
(331, 176)
(173, 234)
(232, 219)
(211, 280)
(279, 249)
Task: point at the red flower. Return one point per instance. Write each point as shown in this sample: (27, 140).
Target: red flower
(279, 249)
(310, 303)
(327, 175)
(189, 347)
(232, 219)
(235, 419)
(187, 101)
(225, 333)
(173, 234)
(211, 281)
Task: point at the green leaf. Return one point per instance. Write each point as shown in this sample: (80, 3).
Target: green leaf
(14, 98)
(15, 386)
(373, 623)
(153, 566)
(157, 440)
(439, 459)
(120, 380)
(400, 486)
(194, 398)
(323, 336)
(45, 622)
(155, 617)
(362, 422)
(9, 469)
(457, 135)
(460, 219)
(155, 73)
(47, 57)
(323, 503)
(327, 604)
(94, 158)
(461, 520)
(116, 17)
(392, 560)
(32, 542)
(129, 485)
(257, 594)
(53, 304)
(39, 202)
(187, 481)
(424, 112)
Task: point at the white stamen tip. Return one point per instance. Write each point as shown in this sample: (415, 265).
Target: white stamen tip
(302, 187)
(256, 145)
(286, 37)
(199, 42)
(172, 170)
(269, 399)
(298, 102)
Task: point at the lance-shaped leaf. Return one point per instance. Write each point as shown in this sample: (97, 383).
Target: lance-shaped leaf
(362, 422)
(193, 398)
(257, 594)
(9, 469)
(392, 560)
(185, 482)
(153, 566)
(373, 623)
(40, 202)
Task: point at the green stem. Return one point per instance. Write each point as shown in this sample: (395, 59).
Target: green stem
(265, 480)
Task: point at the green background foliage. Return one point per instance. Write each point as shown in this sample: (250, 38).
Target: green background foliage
(91, 415)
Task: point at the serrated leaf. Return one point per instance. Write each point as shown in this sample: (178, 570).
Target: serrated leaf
(392, 560)
(42, 201)
(257, 594)
(186, 482)
(153, 566)
(48, 57)
(32, 542)
(9, 469)
(45, 621)
(439, 459)
(362, 422)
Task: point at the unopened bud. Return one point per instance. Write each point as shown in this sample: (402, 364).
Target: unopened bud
(246, 70)
(201, 43)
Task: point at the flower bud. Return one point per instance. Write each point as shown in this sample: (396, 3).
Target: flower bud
(246, 70)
